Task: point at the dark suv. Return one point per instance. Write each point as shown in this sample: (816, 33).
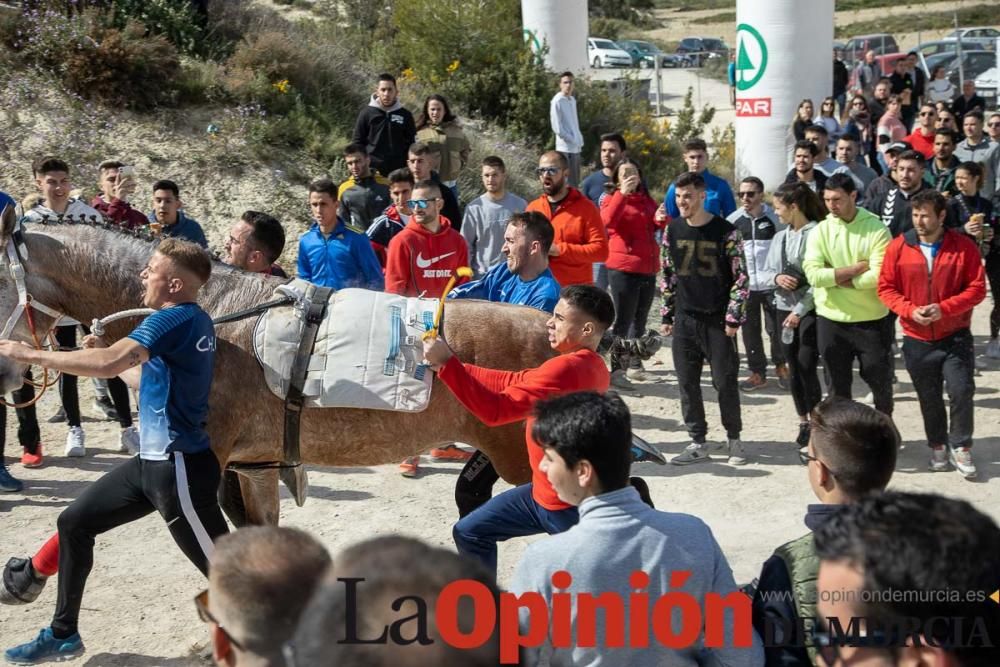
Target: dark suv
(701, 48)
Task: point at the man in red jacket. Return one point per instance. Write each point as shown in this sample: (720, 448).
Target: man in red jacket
(932, 278)
(580, 237)
(581, 317)
(422, 257)
(117, 184)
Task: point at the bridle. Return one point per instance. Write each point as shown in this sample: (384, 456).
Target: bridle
(25, 308)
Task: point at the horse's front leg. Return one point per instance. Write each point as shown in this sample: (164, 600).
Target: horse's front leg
(260, 497)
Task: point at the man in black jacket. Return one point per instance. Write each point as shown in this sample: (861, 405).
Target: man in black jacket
(385, 128)
(851, 453)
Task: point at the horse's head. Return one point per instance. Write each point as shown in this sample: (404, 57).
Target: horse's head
(11, 374)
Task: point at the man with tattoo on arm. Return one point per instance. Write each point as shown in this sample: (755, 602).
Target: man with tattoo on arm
(170, 357)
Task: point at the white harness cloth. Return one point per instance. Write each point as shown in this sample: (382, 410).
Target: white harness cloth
(368, 351)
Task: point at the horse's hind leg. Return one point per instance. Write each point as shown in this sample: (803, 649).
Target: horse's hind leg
(259, 495)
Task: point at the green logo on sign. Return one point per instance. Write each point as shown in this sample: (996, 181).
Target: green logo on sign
(751, 56)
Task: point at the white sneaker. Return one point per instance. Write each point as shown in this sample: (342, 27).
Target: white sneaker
(74, 442)
(993, 348)
(961, 458)
(637, 374)
(129, 443)
(696, 452)
(737, 455)
(939, 458)
(869, 399)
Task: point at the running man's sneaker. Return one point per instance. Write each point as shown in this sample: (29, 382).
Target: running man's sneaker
(129, 442)
(753, 382)
(20, 583)
(737, 455)
(74, 442)
(410, 467)
(781, 371)
(993, 348)
(44, 648)
(696, 452)
(450, 453)
(961, 458)
(59, 417)
(939, 458)
(29, 460)
(802, 439)
(104, 406)
(7, 482)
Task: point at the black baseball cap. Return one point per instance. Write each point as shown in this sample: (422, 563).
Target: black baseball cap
(898, 147)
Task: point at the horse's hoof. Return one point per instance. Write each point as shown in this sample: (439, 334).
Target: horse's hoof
(21, 585)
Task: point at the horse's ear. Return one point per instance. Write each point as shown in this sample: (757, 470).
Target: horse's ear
(7, 221)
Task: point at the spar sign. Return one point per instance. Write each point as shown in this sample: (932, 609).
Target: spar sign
(751, 63)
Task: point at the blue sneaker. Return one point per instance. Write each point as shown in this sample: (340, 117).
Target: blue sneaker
(45, 647)
(7, 482)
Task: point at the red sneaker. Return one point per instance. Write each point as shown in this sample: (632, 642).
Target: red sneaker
(29, 460)
(450, 453)
(410, 466)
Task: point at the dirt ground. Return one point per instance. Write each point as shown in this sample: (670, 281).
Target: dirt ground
(138, 608)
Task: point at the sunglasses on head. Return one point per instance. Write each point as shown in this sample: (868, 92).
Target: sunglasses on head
(201, 604)
(420, 203)
(547, 171)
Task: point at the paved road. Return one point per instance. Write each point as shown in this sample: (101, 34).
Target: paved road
(674, 84)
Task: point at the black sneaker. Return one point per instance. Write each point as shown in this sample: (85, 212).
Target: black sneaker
(59, 417)
(21, 584)
(803, 438)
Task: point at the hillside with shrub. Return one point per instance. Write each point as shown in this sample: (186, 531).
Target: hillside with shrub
(243, 106)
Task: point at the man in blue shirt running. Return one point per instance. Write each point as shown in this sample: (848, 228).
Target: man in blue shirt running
(170, 356)
(524, 278)
(718, 195)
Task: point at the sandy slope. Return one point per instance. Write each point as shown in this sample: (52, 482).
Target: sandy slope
(138, 610)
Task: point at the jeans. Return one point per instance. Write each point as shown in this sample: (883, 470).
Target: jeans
(28, 433)
(183, 490)
(841, 342)
(600, 275)
(695, 341)
(68, 392)
(944, 364)
(803, 357)
(574, 168)
(753, 341)
(632, 295)
(513, 513)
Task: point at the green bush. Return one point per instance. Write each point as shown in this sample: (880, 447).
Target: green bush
(176, 20)
(124, 68)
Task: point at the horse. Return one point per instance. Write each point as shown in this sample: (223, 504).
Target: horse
(87, 270)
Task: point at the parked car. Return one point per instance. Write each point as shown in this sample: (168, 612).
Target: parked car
(645, 54)
(857, 47)
(929, 49)
(985, 36)
(986, 87)
(974, 63)
(701, 48)
(605, 53)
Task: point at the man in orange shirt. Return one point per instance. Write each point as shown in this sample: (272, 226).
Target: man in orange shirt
(581, 317)
(580, 237)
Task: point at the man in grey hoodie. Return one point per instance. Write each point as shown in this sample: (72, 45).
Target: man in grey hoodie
(385, 128)
(619, 545)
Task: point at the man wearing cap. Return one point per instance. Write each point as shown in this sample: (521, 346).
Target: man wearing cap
(887, 181)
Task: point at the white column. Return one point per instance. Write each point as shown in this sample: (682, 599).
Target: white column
(563, 26)
(784, 53)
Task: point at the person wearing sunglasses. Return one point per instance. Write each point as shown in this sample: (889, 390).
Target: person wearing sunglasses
(580, 239)
(420, 261)
(259, 581)
(993, 128)
(915, 572)
(851, 453)
(922, 137)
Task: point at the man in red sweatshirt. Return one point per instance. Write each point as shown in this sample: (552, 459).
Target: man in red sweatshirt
(421, 258)
(495, 397)
(932, 277)
(580, 236)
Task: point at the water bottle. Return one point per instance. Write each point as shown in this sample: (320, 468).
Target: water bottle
(787, 335)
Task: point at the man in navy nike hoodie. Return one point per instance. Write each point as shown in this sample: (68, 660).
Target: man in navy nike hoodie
(330, 254)
(423, 256)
